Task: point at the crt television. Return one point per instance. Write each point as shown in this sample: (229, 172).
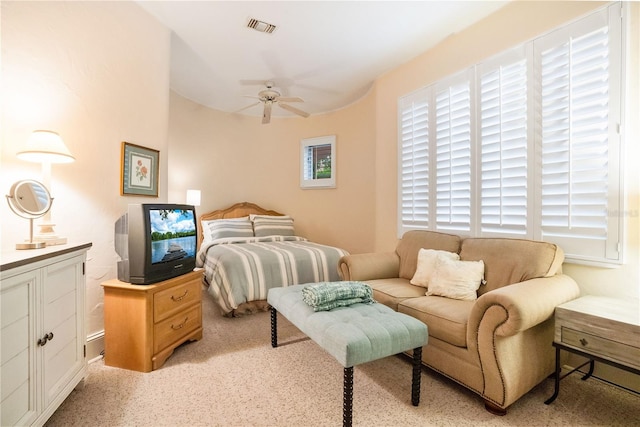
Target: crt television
(155, 242)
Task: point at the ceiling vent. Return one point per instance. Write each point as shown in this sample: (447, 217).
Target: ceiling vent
(261, 26)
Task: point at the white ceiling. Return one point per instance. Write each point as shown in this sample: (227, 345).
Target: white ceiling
(326, 52)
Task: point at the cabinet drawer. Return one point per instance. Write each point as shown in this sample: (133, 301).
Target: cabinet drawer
(171, 330)
(614, 350)
(173, 300)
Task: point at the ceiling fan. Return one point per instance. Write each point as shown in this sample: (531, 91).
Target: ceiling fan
(269, 97)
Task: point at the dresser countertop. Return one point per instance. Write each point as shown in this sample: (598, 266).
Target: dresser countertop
(17, 258)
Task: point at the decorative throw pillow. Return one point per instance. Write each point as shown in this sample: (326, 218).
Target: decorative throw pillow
(427, 262)
(269, 225)
(457, 279)
(232, 227)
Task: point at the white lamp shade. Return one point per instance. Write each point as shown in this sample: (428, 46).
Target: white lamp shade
(193, 197)
(45, 146)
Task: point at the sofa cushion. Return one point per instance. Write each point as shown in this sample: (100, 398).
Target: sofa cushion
(446, 318)
(456, 279)
(508, 261)
(392, 291)
(428, 260)
(411, 243)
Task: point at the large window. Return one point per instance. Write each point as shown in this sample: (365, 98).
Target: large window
(525, 144)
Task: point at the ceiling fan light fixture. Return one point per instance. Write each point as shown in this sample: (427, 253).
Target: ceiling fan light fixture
(269, 98)
(261, 26)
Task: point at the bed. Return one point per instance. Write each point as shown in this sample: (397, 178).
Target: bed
(245, 250)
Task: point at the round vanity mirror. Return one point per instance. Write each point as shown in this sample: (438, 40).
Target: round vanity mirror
(29, 199)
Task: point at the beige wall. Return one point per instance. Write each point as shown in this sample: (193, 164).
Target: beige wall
(97, 73)
(234, 158)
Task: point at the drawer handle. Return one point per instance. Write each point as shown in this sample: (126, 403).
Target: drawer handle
(181, 297)
(584, 342)
(43, 341)
(181, 325)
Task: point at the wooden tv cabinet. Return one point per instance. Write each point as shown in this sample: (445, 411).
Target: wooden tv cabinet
(143, 324)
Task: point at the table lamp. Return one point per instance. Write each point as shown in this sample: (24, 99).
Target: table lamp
(46, 147)
(193, 197)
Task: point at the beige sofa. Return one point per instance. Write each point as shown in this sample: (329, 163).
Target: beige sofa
(498, 345)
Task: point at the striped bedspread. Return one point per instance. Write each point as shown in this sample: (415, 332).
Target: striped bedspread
(239, 270)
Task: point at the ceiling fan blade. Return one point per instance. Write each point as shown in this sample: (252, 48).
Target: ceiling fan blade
(293, 99)
(247, 82)
(294, 110)
(266, 114)
(247, 107)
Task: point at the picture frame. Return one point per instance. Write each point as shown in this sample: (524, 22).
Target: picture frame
(139, 170)
(318, 162)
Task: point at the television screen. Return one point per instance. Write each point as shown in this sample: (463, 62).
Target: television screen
(173, 234)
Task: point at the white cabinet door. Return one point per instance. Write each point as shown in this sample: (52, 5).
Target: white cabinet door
(63, 307)
(18, 349)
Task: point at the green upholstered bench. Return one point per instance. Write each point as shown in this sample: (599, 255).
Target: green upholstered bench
(354, 334)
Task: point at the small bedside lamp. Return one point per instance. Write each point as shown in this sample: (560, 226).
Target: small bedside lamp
(46, 147)
(193, 197)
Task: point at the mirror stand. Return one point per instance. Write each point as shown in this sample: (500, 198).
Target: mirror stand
(31, 244)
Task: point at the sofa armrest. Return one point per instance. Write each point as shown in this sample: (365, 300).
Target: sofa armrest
(510, 330)
(369, 266)
(523, 305)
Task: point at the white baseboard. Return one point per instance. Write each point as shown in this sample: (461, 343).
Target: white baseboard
(95, 346)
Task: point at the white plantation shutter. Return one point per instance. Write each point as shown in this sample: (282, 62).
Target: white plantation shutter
(503, 145)
(307, 163)
(453, 155)
(578, 139)
(524, 144)
(414, 161)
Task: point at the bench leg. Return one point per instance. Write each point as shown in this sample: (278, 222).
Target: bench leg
(415, 381)
(274, 327)
(347, 404)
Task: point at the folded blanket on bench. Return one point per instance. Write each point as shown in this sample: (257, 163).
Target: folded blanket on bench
(329, 295)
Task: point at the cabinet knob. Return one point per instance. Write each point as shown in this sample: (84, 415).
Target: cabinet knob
(584, 342)
(43, 341)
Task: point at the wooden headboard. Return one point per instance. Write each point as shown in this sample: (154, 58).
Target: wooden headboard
(235, 211)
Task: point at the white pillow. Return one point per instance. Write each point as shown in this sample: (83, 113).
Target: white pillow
(457, 279)
(427, 262)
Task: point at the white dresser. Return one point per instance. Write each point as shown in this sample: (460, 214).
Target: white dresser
(43, 339)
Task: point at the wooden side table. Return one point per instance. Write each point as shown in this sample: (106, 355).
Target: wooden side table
(601, 329)
(143, 324)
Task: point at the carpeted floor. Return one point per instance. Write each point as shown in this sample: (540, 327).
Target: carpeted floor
(232, 377)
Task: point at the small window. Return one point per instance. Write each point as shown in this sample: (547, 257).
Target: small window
(318, 162)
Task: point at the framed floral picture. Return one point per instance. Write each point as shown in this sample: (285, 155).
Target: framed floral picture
(139, 171)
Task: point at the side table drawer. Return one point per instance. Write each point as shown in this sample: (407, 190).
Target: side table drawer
(173, 300)
(622, 353)
(171, 330)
